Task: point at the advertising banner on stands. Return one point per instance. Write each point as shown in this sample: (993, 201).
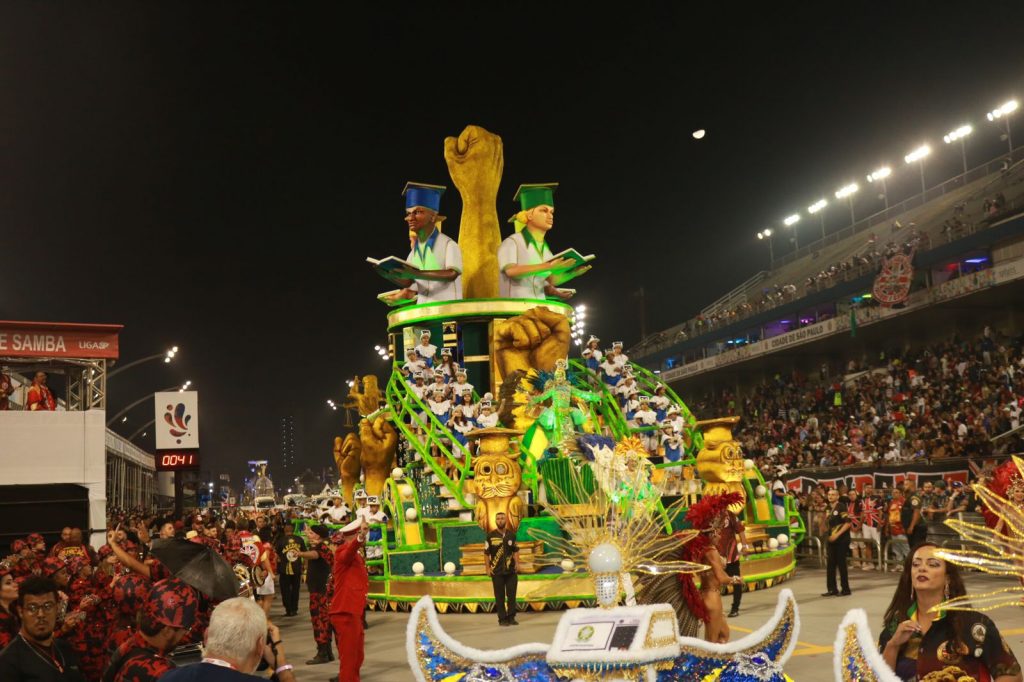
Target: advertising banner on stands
(884, 477)
(58, 340)
(177, 420)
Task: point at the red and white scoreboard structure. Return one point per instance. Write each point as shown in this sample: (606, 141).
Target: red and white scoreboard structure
(54, 462)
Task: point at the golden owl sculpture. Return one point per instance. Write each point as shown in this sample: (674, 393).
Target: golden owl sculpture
(720, 461)
(497, 478)
(476, 159)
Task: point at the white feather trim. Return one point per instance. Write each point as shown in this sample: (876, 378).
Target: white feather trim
(878, 667)
(426, 605)
(755, 638)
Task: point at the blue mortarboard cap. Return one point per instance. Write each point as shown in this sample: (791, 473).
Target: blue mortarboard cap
(427, 196)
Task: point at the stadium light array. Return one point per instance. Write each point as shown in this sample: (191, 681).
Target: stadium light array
(918, 154)
(1004, 109)
(847, 190)
(879, 174)
(766, 233)
(817, 206)
(958, 134)
(1003, 112)
(792, 220)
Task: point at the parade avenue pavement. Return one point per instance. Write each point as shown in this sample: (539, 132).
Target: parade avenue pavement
(812, 659)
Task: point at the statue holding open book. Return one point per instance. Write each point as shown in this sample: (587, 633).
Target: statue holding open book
(528, 267)
(433, 270)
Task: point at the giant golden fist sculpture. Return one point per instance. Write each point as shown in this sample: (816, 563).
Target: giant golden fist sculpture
(347, 457)
(720, 461)
(497, 477)
(475, 161)
(534, 340)
(379, 442)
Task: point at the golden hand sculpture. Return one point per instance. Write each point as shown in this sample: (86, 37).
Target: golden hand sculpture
(534, 340)
(380, 441)
(347, 454)
(368, 399)
(475, 161)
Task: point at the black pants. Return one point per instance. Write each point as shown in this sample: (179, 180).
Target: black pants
(290, 592)
(505, 595)
(737, 590)
(837, 553)
(919, 535)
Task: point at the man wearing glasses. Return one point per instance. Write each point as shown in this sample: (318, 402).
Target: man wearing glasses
(34, 654)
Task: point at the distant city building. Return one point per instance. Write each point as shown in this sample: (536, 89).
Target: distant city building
(287, 463)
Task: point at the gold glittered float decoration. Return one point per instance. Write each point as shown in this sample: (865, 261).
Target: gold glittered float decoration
(999, 553)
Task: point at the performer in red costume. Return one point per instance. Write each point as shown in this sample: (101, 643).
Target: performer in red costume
(351, 585)
(40, 397)
(718, 530)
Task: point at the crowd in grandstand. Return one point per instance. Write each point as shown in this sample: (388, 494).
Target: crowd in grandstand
(944, 400)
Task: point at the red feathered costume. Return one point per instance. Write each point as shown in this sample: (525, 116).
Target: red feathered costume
(999, 484)
(701, 516)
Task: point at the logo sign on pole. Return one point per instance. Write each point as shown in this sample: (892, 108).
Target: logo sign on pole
(177, 420)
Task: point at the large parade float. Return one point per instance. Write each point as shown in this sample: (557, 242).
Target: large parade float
(602, 506)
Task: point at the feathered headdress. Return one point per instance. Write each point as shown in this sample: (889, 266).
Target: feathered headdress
(704, 512)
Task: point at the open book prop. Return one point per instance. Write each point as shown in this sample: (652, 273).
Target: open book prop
(571, 271)
(621, 643)
(386, 297)
(390, 267)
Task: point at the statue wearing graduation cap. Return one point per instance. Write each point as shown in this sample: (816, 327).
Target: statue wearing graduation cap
(528, 267)
(433, 270)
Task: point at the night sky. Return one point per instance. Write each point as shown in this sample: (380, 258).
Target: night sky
(213, 175)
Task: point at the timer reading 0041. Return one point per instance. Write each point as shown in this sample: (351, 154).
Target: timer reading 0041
(172, 461)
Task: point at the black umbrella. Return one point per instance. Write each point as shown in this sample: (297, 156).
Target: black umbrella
(199, 566)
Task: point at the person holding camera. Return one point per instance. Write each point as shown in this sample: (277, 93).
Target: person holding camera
(237, 640)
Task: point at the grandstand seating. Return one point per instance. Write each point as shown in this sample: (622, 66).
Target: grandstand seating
(925, 219)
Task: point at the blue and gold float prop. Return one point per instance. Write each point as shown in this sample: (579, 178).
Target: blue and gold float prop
(629, 643)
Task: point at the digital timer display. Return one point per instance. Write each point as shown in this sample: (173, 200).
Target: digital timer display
(173, 461)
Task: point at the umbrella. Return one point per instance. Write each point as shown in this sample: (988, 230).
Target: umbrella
(199, 566)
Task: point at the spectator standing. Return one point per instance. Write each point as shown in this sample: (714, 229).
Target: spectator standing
(897, 531)
(838, 523)
(40, 397)
(6, 389)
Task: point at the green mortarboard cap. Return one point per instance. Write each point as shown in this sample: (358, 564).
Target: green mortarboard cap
(530, 196)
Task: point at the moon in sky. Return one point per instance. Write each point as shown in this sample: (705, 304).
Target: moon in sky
(698, 134)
